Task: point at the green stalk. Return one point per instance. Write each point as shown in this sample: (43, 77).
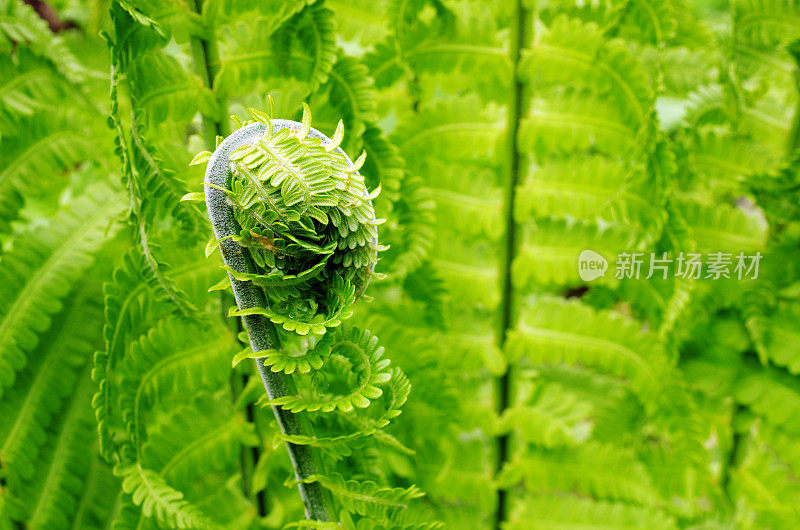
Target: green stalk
(205, 55)
(734, 454)
(794, 132)
(503, 384)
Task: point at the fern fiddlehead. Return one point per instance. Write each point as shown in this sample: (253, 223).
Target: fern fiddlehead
(296, 227)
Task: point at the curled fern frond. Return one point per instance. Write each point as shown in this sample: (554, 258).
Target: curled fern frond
(296, 227)
(309, 354)
(354, 351)
(392, 400)
(306, 218)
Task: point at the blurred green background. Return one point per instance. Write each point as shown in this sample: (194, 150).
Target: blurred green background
(507, 138)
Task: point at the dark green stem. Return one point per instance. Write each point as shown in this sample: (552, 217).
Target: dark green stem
(794, 132)
(503, 384)
(264, 336)
(248, 456)
(205, 55)
(733, 456)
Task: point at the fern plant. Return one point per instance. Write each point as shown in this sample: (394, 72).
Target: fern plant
(505, 138)
(294, 200)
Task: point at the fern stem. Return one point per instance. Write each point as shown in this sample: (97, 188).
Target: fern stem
(205, 55)
(732, 461)
(248, 456)
(261, 332)
(503, 384)
(794, 132)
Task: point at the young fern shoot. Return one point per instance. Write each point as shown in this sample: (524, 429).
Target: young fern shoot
(296, 227)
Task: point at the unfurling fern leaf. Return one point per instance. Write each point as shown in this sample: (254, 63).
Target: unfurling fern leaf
(506, 138)
(297, 230)
(307, 220)
(361, 353)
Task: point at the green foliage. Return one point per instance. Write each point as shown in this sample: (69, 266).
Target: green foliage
(40, 268)
(504, 138)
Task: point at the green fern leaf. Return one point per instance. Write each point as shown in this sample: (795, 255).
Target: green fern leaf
(554, 419)
(551, 246)
(773, 394)
(603, 471)
(347, 95)
(552, 331)
(134, 302)
(38, 273)
(368, 498)
(166, 91)
(360, 23)
(724, 228)
(303, 48)
(21, 24)
(29, 83)
(571, 50)
(160, 500)
(161, 361)
(574, 513)
(53, 141)
(32, 404)
(53, 494)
